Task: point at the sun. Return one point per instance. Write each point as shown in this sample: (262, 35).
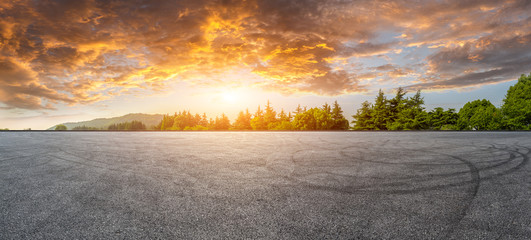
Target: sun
(230, 96)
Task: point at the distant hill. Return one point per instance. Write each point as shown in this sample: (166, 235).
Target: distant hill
(102, 123)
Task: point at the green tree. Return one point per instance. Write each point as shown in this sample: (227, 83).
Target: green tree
(60, 127)
(127, 126)
(258, 122)
(396, 105)
(196, 128)
(243, 122)
(222, 123)
(298, 110)
(167, 122)
(179, 121)
(212, 124)
(313, 119)
(412, 116)
(479, 115)
(283, 122)
(340, 122)
(363, 117)
(270, 116)
(197, 119)
(282, 116)
(327, 108)
(442, 120)
(380, 113)
(162, 124)
(84, 128)
(323, 119)
(305, 120)
(283, 126)
(516, 106)
(137, 126)
(204, 121)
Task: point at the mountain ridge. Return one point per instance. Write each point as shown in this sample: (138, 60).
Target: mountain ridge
(102, 123)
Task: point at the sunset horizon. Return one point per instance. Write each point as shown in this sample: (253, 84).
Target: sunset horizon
(68, 61)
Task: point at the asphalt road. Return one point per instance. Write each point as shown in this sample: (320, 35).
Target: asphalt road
(272, 185)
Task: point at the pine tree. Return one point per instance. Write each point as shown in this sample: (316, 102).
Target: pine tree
(269, 115)
(380, 112)
(412, 116)
(340, 122)
(222, 123)
(363, 117)
(243, 122)
(298, 110)
(258, 121)
(204, 121)
(327, 108)
(282, 116)
(396, 105)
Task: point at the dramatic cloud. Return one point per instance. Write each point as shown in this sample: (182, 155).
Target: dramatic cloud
(78, 52)
(482, 61)
(19, 87)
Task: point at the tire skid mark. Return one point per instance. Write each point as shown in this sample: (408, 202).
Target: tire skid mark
(473, 170)
(42, 163)
(451, 174)
(416, 178)
(89, 163)
(524, 162)
(476, 181)
(369, 188)
(26, 159)
(343, 153)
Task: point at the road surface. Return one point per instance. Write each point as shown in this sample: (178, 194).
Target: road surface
(272, 185)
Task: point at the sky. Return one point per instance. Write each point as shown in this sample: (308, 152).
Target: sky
(67, 61)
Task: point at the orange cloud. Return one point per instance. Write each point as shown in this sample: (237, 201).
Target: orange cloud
(79, 52)
(19, 87)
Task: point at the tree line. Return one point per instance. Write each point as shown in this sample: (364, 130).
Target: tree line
(127, 126)
(400, 113)
(325, 118)
(124, 126)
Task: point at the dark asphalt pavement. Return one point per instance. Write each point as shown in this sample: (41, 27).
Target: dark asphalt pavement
(269, 185)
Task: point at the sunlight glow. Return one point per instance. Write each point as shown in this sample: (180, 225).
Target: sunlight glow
(230, 96)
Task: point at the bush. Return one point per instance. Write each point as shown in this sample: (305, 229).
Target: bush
(60, 127)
